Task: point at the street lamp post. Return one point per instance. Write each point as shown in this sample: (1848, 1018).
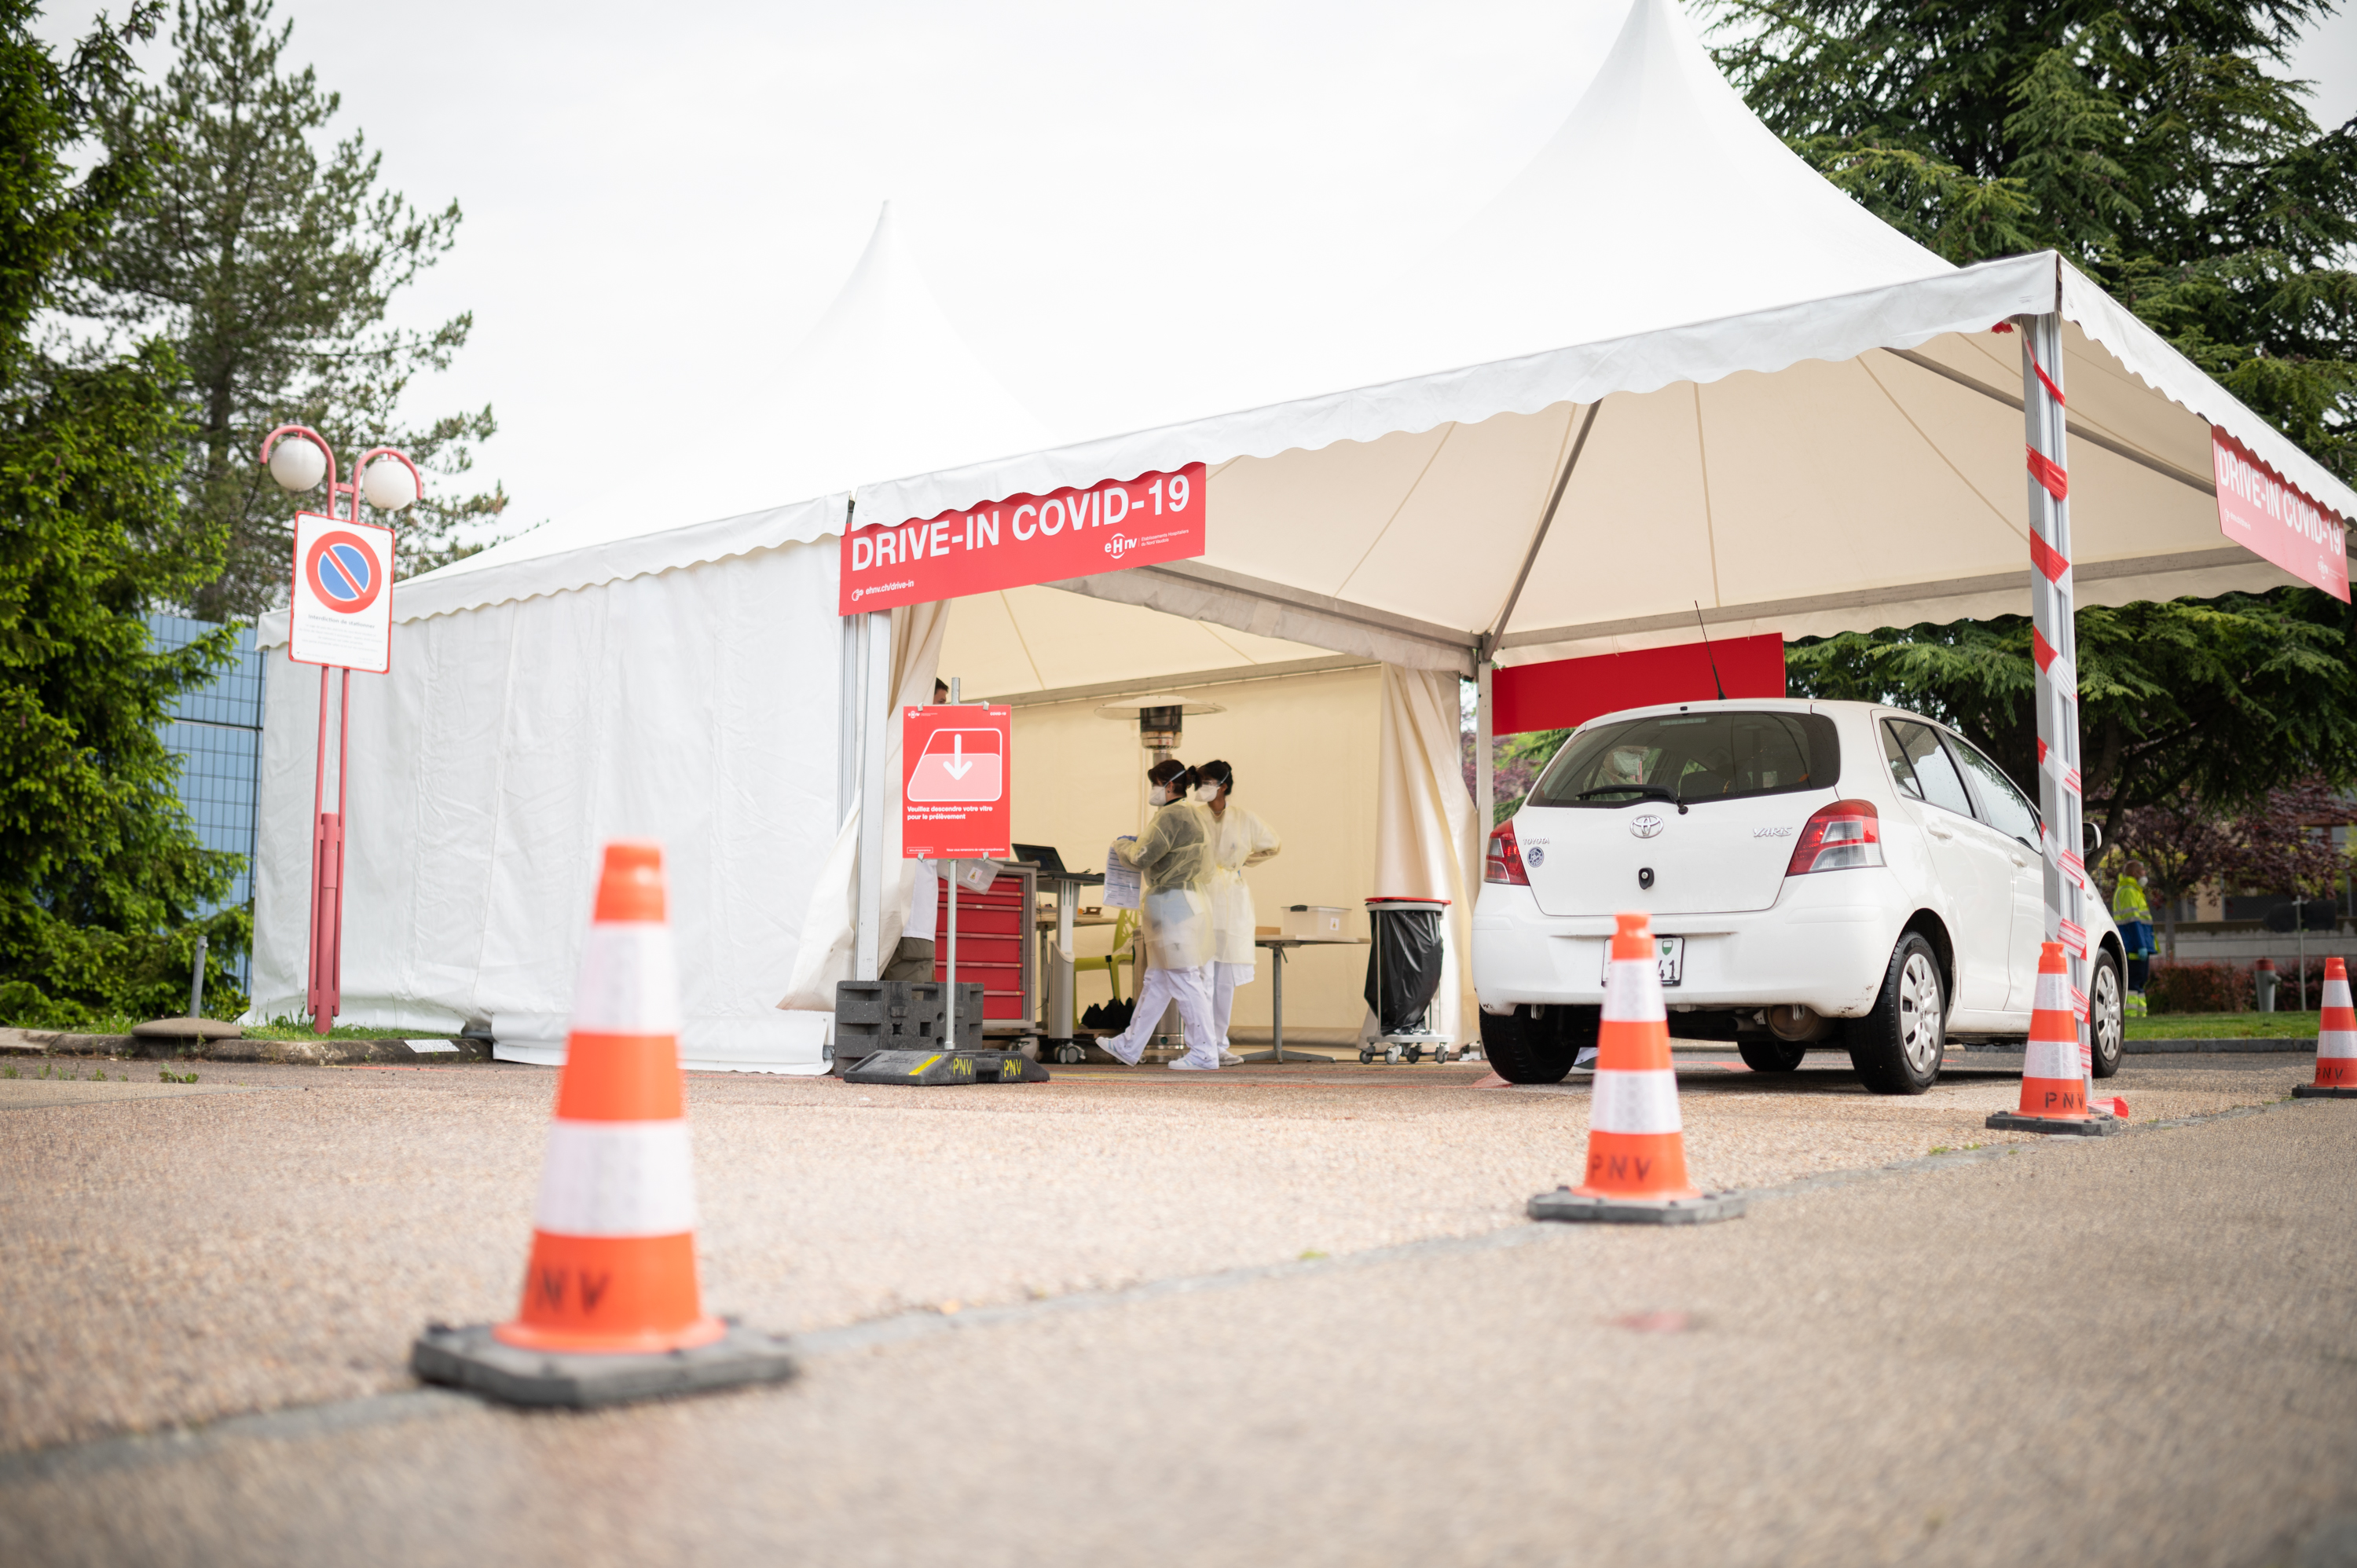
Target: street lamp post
(388, 481)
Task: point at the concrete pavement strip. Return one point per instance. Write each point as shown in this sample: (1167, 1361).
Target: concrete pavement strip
(299, 1421)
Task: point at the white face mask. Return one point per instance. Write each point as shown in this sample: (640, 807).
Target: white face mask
(1157, 795)
(1207, 793)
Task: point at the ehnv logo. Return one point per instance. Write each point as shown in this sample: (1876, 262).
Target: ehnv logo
(343, 573)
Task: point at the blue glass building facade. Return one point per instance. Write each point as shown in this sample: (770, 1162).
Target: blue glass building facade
(216, 730)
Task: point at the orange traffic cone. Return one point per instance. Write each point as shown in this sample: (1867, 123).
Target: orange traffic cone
(610, 1306)
(2336, 1040)
(2053, 1083)
(1636, 1142)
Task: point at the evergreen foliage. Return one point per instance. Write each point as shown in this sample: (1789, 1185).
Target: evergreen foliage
(2153, 143)
(2229, 698)
(272, 266)
(100, 870)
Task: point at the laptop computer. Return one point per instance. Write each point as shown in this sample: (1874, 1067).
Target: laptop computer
(1044, 857)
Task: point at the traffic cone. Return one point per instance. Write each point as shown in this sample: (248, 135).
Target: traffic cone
(610, 1306)
(2336, 1040)
(2053, 1080)
(1636, 1142)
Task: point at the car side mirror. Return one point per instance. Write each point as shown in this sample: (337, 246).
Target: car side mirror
(2091, 839)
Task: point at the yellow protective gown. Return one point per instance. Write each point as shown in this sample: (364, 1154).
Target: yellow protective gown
(1173, 860)
(1240, 839)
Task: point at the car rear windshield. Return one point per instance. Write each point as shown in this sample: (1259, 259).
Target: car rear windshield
(1693, 758)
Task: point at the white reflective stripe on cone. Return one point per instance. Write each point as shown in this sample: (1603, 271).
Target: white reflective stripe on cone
(1635, 1102)
(617, 1178)
(2336, 993)
(2053, 995)
(1632, 991)
(2052, 1058)
(630, 980)
(2336, 1043)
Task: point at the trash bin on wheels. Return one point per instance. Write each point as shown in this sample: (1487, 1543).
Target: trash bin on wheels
(1404, 963)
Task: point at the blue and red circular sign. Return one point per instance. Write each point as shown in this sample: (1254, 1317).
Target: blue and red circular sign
(343, 572)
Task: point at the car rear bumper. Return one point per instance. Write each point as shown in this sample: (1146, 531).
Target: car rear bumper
(1826, 943)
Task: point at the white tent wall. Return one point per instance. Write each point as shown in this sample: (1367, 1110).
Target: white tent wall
(698, 707)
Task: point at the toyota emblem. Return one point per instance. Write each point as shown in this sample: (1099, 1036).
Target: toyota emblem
(1646, 826)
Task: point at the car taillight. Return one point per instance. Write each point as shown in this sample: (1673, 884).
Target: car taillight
(1505, 860)
(1844, 834)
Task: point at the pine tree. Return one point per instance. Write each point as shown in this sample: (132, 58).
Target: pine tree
(99, 869)
(2157, 143)
(272, 266)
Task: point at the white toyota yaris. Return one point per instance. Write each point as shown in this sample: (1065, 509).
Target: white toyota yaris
(1835, 875)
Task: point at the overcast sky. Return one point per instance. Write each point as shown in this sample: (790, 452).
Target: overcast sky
(661, 201)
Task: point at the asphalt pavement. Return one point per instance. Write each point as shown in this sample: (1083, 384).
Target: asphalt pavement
(2137, 1349)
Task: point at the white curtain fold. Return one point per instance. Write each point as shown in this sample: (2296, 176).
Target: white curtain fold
(831, 924)
(1427, 832)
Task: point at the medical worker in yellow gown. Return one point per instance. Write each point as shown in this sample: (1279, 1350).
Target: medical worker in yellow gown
(1173, 860)
(1239, 839)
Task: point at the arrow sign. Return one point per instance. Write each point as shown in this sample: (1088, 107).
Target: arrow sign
(953, 782)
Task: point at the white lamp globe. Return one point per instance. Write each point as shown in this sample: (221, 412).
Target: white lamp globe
(389, 484)
(297, 463)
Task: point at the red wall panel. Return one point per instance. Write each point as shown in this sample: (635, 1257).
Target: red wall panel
(1562, 693)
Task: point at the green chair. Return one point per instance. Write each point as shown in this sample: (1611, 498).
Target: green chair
(1124, 934)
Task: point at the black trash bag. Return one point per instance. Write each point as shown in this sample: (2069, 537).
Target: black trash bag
(1108, 1018)
(1406, 955)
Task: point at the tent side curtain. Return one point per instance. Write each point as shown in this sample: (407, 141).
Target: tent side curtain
(1428, 836)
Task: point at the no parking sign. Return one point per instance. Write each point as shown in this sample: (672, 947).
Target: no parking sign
(342, 610)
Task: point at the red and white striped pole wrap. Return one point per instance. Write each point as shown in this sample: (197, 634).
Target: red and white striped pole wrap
(2336, 1033)
(2055, 644)
(1636, 1142)
(613, 1247)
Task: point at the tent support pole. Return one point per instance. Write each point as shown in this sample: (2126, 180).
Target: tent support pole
(874, 718)
(853, 667)
(1547, 521)
(1485, 775)
(2055, 644)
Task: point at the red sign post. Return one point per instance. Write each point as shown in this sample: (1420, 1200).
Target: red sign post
(1023, 540)
(954, 783)
(2265, 514)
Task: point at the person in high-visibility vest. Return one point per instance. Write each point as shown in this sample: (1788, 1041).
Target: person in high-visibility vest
(2132, 913)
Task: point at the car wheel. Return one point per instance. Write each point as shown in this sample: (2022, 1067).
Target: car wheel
(2106, 1015)
(1771, 1054)
(1524, 1048)
(1896, 1047)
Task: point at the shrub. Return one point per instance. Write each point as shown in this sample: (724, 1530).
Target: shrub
(2198, 988)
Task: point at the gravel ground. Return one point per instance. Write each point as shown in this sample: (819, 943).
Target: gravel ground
(2132, 1350)
(277, 1235)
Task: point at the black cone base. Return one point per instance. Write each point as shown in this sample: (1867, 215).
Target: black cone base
(1565, 1205)
(2323, 1091)
(470, 1358)
(929, 1068)
(2098, 1125)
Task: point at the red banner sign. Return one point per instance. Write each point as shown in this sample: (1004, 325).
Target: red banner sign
(1023, 540)
(2264, 514)
(954, 763)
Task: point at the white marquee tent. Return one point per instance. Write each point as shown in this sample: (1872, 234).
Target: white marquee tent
(1668, 368)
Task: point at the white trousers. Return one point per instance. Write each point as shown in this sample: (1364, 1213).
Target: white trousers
(1225, 978)
(1192, 990)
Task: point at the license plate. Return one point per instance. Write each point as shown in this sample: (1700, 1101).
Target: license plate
(1671, 955)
